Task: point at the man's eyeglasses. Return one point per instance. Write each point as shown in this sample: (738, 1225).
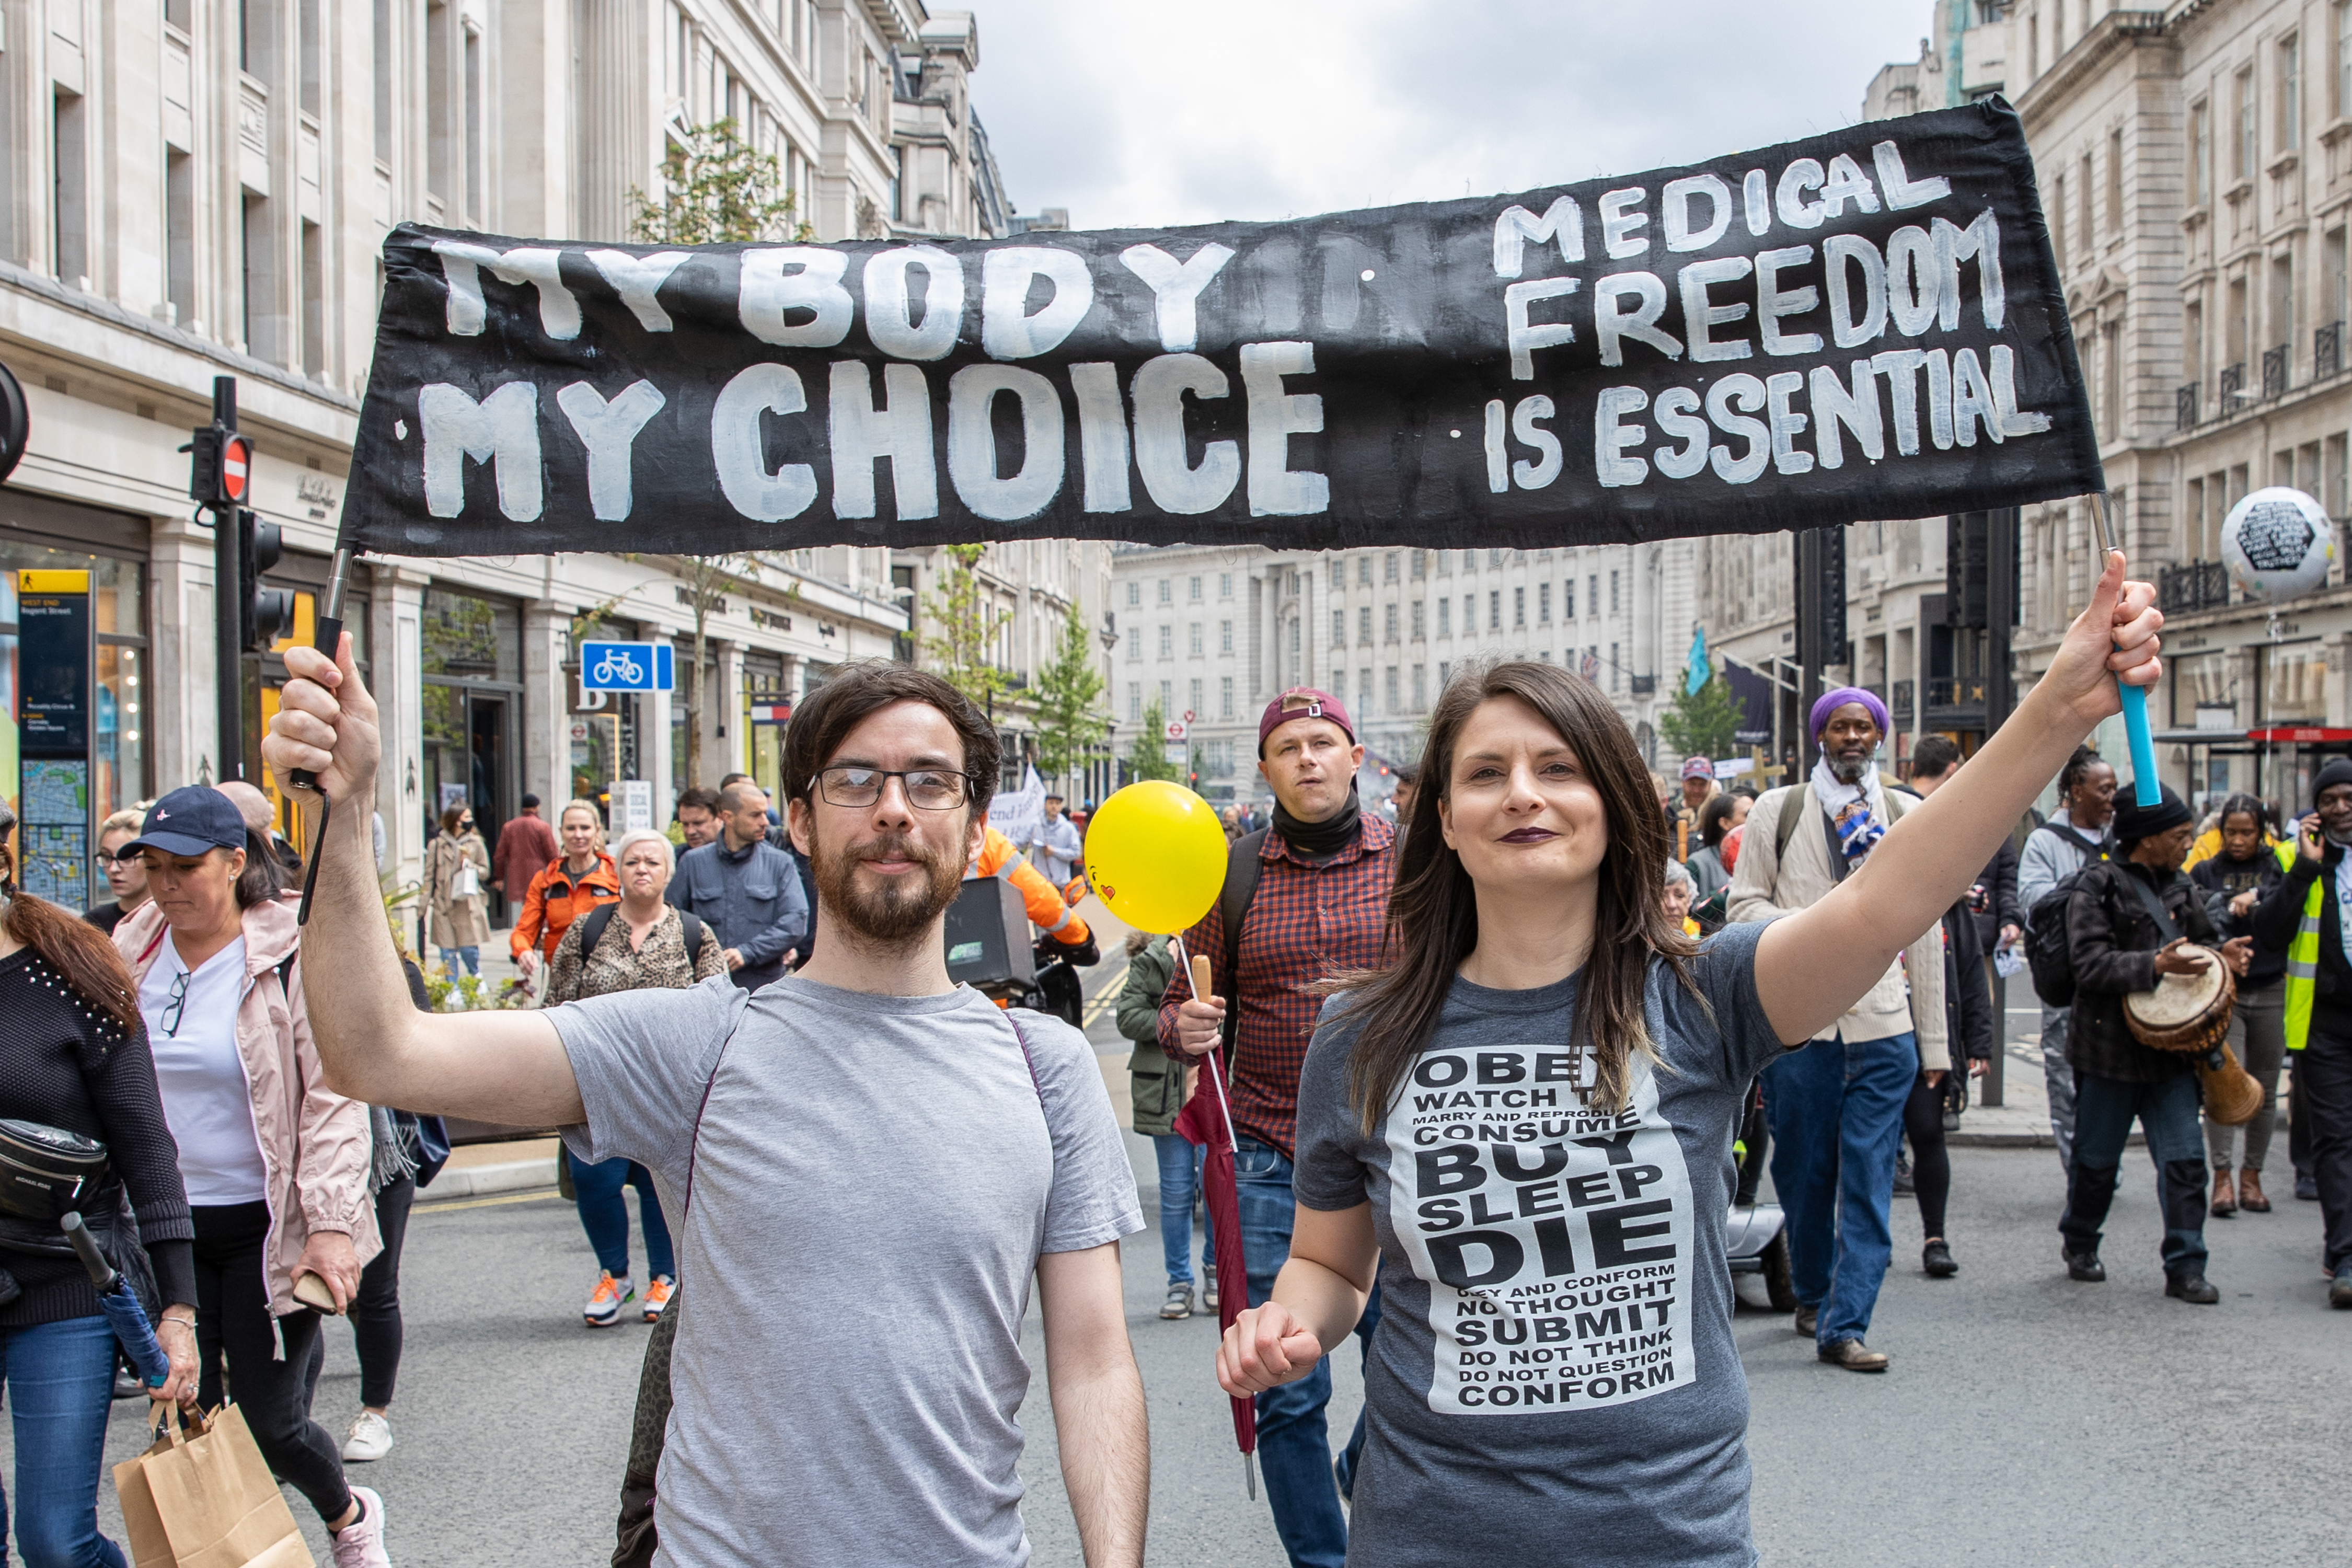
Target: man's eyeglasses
(930, 789)
(176, 1005)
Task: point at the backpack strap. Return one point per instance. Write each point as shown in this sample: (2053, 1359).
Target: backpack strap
(1793, 800)
(592, 930)
(691, 924)
(1242, 868)
(2168, 924)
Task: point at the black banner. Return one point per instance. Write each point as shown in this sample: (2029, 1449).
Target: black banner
(1865, 325)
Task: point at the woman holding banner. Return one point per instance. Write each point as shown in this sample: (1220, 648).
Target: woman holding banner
(1522, 1120)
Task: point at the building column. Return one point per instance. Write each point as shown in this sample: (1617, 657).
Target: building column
(726, 735)
(181, 730)
(546, 705)
(395, 638)
(653, 750)
(2339, 678)
(2240, 661)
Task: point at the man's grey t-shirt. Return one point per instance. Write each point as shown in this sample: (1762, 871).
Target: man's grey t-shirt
(1553, 1377)
(857, 1224)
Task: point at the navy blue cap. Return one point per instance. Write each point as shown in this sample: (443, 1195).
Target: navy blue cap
(191, 821)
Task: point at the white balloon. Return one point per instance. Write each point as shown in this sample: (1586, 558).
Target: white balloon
(2278, 542)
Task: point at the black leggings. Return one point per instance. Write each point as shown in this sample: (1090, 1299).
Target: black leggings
(234, 1325)
(376, 1310)
(1931, 1167)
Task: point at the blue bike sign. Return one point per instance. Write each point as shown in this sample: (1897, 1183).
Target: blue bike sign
(628, 667)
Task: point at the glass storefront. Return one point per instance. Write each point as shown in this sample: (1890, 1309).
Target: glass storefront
(767, 707)
(121, 694)
(472, 668)
(604, 728)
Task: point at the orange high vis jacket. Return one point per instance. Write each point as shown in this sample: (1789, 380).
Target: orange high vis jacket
(1046, 911)
(555, 899)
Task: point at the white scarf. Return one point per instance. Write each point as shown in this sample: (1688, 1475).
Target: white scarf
(1836, 795)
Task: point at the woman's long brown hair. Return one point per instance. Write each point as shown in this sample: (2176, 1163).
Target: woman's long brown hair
(74, 948)
(1433, 924)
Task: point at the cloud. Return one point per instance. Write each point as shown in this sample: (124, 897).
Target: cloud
(1136, 114)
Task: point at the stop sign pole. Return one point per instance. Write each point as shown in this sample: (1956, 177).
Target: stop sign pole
(224, 490)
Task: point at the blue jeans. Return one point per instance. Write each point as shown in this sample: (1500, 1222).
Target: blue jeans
(1180, 1178)
(2105, 1110)
(471, 957)
(605, 1218)
(1294, 1448)
(1836, 1110)
(60, 1383)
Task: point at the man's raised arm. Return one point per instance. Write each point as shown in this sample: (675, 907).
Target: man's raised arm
(505, 1067)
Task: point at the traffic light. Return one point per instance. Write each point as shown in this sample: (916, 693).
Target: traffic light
(221, 472)
(263, 613)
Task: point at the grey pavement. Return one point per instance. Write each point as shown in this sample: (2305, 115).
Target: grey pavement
(2027, 1421)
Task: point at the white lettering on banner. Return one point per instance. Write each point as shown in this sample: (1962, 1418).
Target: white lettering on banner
(739, 447)
(1007, 329)
(1276, 489)
(767, 296)
(890, 314)
(898, 432)
(501, 430)
(558, 313)
(1160, 457)
(1556, 1236)
(637, 280)
(972, 442)
(609, 431)
(1176, 289)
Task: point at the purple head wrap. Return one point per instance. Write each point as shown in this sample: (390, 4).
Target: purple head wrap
(1831, 701)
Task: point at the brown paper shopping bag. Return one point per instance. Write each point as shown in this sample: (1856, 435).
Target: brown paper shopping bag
(203, 1497)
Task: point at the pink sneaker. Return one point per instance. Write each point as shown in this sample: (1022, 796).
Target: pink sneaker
(360, 1544)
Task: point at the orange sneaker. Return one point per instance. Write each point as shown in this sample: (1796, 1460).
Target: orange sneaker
(658, 1295)
(604, 1304)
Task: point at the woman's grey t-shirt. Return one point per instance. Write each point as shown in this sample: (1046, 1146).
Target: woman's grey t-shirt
(1553, 1378)
(872, 1183)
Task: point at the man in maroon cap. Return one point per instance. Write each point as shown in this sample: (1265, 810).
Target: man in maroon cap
(1312, 892)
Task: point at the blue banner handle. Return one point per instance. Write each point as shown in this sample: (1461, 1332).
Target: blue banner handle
(2147, 790)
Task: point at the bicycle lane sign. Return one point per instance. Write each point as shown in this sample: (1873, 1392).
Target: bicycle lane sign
(628, 667)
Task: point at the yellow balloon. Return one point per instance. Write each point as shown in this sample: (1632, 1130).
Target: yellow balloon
(1156, 854)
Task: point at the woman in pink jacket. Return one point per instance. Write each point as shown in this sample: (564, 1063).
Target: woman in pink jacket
(276, 1163)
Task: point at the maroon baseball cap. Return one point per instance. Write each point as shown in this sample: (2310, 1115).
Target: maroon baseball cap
(1302, 702)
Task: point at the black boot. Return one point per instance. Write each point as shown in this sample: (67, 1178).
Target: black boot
(2193, 1289)
(2090, 1192)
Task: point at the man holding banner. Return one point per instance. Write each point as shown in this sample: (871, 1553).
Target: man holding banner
(1318, 901)
(873, 1275)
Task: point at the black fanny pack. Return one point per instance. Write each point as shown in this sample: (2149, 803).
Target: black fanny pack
(48, 1173)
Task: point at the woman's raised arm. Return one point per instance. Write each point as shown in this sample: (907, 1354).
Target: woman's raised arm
(1812, 966)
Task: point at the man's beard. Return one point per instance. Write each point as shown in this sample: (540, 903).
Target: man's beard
(1849, 770)
(903, 907)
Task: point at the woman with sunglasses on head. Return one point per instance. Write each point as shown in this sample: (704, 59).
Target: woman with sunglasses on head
(276, 1163)
(1524, 1121)
(638, 944)
(73, 1061)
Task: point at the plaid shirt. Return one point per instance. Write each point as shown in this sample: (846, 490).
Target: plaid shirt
(1305, 922)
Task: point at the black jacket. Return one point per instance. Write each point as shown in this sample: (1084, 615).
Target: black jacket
(1967, 998)
(1994, 897)
(2275, 922)
(2221, 879)
(2114, 941)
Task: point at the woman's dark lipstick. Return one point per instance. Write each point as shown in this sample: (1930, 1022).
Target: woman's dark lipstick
(1528, 835)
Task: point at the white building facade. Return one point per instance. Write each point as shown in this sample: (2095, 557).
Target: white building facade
(1218, 632)
(198, 188)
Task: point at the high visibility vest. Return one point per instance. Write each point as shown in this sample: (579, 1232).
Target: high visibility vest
(2302, 956)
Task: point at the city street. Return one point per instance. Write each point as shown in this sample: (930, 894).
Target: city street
(2027, 1420)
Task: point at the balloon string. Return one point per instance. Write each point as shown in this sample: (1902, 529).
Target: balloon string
(1216, 1078)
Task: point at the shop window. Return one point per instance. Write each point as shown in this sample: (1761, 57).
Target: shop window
(2293, 682)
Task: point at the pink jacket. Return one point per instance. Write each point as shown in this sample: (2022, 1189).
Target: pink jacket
(316, 1149)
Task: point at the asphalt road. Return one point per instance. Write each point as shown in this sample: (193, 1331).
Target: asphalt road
(2027, 1420)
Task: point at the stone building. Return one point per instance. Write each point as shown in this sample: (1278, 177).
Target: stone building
(1217, 633)
(200, 188)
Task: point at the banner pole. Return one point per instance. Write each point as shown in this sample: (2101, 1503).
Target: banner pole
(328, 641)
(2146, 790)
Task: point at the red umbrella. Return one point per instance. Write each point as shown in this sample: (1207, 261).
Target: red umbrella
(1207, 1120)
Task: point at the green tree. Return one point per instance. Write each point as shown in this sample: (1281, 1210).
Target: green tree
(1147, 757)
(1701, 723)
(1066, 691)
(966, 620)
(716, 189)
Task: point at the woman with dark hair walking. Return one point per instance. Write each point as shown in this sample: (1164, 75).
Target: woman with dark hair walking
(276, 1163)
(74, 1061)
(2232, 883)
(1523, 1120)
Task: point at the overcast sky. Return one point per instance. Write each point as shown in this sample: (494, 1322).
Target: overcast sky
(1150, 112)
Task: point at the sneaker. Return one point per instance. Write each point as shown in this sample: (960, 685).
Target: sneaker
(658, 1295)
(2083, 1266)
(2339, 1290)
(1209, 1290)
(2193, 1289)
(604, 1304)
(371, 1439)
(1853, 1355)
(1180, 1300)
(1936, 1258)
(360, 1544)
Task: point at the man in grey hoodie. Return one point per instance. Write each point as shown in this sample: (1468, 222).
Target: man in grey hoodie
(2057, 849)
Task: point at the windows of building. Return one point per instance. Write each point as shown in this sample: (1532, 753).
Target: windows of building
(1390, 565)
(2289, 56)
(2343, 72)
(1364, 571)
(1518, 608)
(1613, 594)
(1195, 590)
(1421, 688)
(1445, 617)
(2058, 219)
(1389, 623)
(1194, 645)
(1420, 619)
(2083, 225)
(1339, 575)
(1420, 565)
(1167, 591)
(1614, 670)
(1395, 705)
(1364, 623)
(1224, 696)
(1224, 585)
(70, 188)
(1197, 701)
(1168, 642)
(1224, 637)
(1134, 594)
(2116, 182)
(2201, 150)
(1543, 604)
(1494, 609)
(2247, 143)
(1364, 693)
(314, 302)
(1338, 629)
(1469, 615)
(1444, 672)
(1167, 700)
